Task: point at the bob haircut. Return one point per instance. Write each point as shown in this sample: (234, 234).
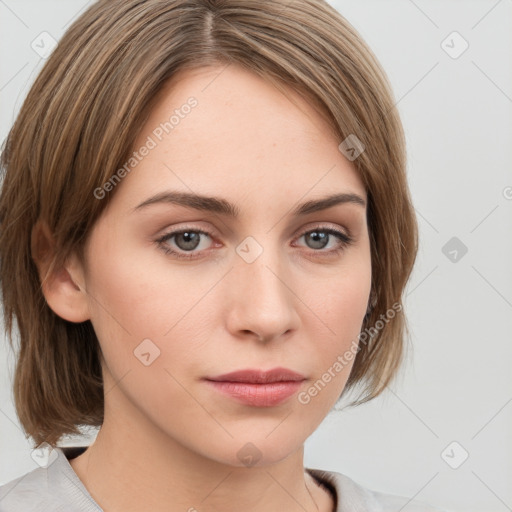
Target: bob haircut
(80, 120)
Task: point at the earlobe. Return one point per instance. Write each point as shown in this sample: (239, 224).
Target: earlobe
(63, 288)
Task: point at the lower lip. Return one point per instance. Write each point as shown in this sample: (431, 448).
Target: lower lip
(259, 395)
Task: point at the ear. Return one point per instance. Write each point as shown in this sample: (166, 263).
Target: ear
(64, 288)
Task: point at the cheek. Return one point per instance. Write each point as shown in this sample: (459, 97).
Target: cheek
(334, 330)
(136, 297)
(347, 305)
(341, 298)
(131, 285)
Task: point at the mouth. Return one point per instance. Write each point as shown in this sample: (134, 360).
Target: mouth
(251, 376)
(257, 387)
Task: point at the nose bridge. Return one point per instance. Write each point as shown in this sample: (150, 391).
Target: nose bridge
(262, 299)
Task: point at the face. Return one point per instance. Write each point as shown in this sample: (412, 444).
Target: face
(181, 292)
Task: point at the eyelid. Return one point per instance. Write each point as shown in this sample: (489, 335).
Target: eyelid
(211, 232)
(343, 235)
(321, 226)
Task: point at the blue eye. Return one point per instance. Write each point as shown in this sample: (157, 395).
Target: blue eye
(187, 240)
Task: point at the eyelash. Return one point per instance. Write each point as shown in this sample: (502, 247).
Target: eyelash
(344, 241)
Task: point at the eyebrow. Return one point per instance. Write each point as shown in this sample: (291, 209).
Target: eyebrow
(222, 206)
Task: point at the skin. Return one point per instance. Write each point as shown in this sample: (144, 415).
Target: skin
(169, 441)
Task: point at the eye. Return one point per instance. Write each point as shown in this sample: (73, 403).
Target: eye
(188, 239)
(319, 238)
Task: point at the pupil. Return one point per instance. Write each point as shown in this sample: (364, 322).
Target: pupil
(191, 239)
(320, 238)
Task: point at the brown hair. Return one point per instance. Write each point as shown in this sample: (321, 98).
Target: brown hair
(80, 120)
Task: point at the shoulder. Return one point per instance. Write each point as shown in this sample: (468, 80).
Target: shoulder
(53, 487)
(353, 497)
(29, 492)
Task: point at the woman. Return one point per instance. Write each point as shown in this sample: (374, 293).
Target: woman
(206, 231)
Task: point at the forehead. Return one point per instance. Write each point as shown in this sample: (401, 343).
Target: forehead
(225, 131)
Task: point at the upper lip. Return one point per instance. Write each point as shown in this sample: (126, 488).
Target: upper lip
(259, 376)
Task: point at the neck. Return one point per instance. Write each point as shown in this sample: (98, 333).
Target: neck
(133, 465)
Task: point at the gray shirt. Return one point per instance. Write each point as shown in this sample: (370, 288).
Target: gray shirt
(57, 488)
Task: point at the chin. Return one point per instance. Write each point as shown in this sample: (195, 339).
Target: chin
(258, 451)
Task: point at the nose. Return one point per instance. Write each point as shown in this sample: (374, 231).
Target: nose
(261, 300)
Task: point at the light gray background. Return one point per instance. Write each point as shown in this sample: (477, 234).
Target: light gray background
(457, 385)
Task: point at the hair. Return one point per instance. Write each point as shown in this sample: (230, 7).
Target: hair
(80, 120)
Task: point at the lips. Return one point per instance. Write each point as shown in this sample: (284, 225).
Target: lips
(258, 388)
(255, 376)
